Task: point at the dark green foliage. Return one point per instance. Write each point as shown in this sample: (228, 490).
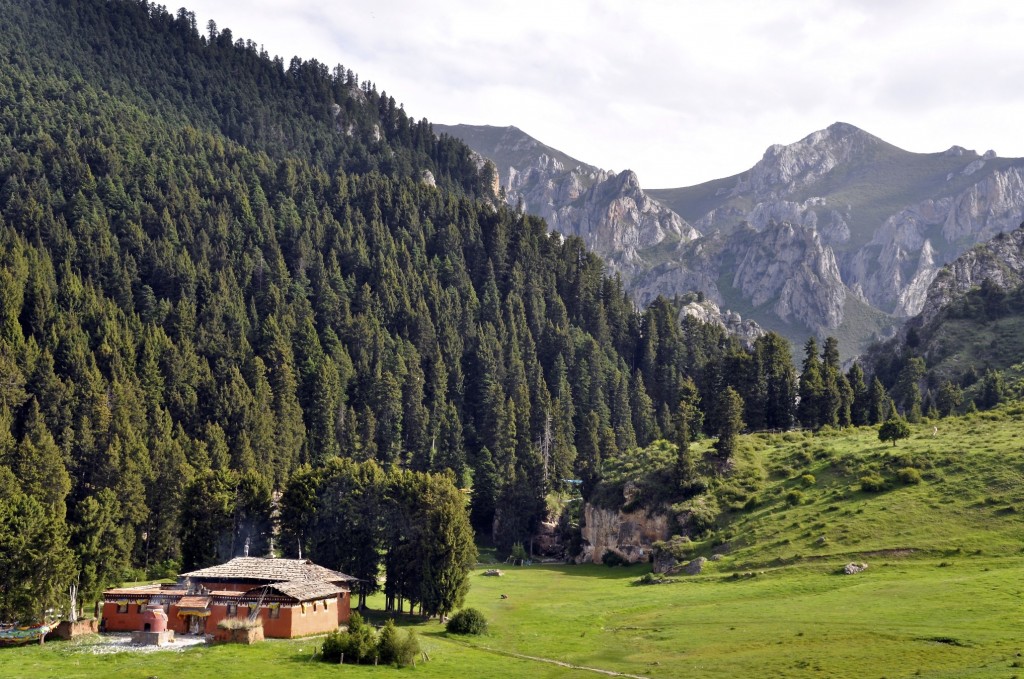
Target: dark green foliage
(873, 483)
(357, 645)
(860, 407)
(812, 388)
(612, 559)
(467, 621)
(992, 390)
(652, 473)
(222, 276)
(878, 403)
(773, 355)
(357, 518)
(949, 399)
(699, 514)
(731, 422)
(36, 564)
(794, 497)
(908, 475)
(395, 648)
(893, 429)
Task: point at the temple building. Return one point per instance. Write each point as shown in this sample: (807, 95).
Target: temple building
(291, 597)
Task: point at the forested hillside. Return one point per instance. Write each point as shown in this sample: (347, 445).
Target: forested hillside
(219, 273)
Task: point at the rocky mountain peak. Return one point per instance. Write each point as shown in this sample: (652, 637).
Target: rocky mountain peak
(784, 169)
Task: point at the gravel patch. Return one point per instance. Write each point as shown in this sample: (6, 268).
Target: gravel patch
(104, 644)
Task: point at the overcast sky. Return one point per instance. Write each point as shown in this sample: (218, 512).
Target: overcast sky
(681, 91)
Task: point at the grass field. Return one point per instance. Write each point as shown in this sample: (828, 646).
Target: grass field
(942, 596)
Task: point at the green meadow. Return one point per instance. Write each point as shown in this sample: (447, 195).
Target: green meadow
(941, 597)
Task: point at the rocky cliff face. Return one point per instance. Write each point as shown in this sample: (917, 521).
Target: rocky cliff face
(608, 210)
(630, 535)
(837, 214)
(785, 269)
(1000, 260)
(831, 180)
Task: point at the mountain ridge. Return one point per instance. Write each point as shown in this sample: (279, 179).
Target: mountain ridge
(888, 218)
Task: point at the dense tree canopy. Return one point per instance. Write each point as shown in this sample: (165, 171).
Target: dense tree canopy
(224, 280)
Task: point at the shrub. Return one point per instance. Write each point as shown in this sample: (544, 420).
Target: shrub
(807, 480)
(794, 497)
(612, 559)
(467, 621)
(654, 579)
(357, 645)
(699, 513)
(679, 547)
(395, 648)
(909, 476)
(518, 554)
(872, 483)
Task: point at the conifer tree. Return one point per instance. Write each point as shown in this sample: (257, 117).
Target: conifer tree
(812, 388)
(731, 419)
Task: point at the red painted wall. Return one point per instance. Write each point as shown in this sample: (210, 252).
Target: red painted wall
(291, 623)
(122, 622)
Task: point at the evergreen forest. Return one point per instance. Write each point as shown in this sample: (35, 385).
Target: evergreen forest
(247, 303)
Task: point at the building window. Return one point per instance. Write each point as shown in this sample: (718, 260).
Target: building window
(275, 612)
(122, 608)
(325, 604)
(232, 610)
(140, 607)
(314, 607)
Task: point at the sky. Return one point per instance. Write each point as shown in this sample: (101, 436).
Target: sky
(680, 91)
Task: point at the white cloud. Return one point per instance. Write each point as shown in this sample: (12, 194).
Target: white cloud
(680, 91)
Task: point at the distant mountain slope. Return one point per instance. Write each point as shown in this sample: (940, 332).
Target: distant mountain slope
(972, 319)
(891, 217)
(839, 222)
(609, 210)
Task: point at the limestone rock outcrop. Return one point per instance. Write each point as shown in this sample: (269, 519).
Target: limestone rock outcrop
(839, 217)
(631, 535)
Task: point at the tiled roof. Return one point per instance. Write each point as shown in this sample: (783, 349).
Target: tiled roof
(302, 590)
(269, 570)
(194, 602)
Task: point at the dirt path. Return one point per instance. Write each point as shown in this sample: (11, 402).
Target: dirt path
(560, 663)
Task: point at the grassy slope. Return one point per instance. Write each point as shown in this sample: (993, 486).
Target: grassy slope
(941, 597)
(959, 343)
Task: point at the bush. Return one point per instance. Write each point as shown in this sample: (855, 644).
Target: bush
(467, 621)
(794, 497)
(357, 645)
(873, 483)
(612, 559)
(909, 476)
(518, 554)
(699, 513)
(395, 648)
